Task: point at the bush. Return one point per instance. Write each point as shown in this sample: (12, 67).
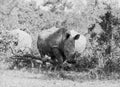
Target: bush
(99, 22)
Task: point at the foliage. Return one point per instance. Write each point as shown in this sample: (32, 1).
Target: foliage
(99, 22)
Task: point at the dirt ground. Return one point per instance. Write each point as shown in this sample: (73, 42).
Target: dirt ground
(25, 79)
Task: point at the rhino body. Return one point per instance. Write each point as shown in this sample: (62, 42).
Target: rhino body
(57, 43)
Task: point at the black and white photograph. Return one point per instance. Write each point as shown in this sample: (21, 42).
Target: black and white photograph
(59, 43)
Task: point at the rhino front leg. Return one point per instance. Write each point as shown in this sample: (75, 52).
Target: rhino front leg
(57, 56)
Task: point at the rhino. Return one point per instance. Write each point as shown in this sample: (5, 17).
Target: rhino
(57, 43)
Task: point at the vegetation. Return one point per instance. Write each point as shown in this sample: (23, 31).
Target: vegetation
(99, 22)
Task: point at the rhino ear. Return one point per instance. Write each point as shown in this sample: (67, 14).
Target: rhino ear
(67, 35)
(77, 37)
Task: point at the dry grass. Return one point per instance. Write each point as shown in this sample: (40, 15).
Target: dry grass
(24, 78)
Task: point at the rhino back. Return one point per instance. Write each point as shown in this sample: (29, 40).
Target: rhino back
(54, 39)
(46, 33)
